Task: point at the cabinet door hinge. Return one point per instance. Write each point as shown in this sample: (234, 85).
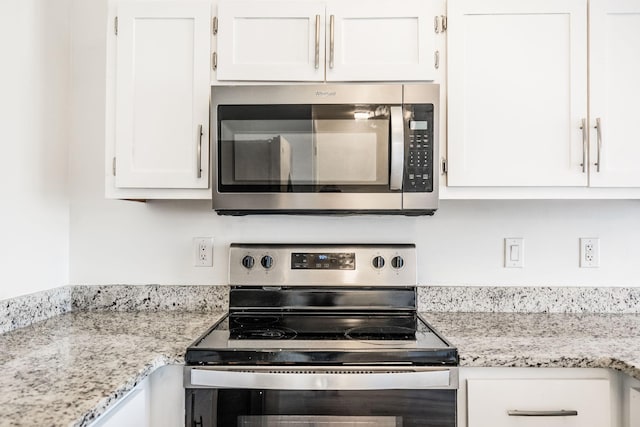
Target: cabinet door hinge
(444, 167)
(214, 60)
(115, 25)
(113, 166)
(214, 26)
(440, 24)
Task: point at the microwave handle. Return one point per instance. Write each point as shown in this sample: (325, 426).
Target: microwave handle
(397, 149)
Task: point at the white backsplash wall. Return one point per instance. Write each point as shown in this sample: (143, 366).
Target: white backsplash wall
(34, 134)
(131, 243)
(122, 242)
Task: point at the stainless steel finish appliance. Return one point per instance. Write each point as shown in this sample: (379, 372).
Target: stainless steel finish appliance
(321, 335)
(325, 149)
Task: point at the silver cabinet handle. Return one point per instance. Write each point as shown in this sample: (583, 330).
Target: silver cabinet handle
(397, 149)
(599, 133)
(560, 413)
(317, 41)
(584, 145)
(332, 22)
(199, 164)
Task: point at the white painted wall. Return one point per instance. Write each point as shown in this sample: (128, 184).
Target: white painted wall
(34, 133)
(128, 242)
(54, 234)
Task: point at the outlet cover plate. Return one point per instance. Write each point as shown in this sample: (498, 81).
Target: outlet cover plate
(589, 252)
(203, 251)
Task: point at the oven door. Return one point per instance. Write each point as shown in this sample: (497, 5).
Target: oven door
(321, 397)
(280, 150)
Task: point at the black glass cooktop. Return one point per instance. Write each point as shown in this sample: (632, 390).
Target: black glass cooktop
(321, 338)
(266, 326)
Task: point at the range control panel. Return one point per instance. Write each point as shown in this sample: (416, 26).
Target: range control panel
(323, 264)
(418, 148)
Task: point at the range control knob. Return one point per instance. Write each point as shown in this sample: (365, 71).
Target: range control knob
(397, 262)
(378, 262)
(248, 262)
(267, 261)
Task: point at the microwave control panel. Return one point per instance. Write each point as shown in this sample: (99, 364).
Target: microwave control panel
(418, 148)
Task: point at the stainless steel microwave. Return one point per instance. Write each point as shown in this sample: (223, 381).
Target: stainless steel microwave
(325, 149)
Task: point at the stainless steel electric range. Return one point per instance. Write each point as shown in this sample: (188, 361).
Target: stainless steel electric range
(321, 335)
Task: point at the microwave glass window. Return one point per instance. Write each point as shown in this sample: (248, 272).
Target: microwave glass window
(303, 147)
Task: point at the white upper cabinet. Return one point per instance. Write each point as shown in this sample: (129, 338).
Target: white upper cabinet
(264, 40)
(162, 95)
(380, 41)
(614, 91)
(357, 40)
(517, 93)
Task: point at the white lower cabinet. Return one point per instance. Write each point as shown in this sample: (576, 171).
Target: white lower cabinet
(544, 397)
(543, 402)
(630, 401)
(131, 411)
(158, 401)
(634, 406)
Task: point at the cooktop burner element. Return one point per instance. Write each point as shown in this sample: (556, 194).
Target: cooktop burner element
(322, 305)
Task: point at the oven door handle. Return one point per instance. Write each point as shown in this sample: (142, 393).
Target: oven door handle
(434, 379)
(397, 149)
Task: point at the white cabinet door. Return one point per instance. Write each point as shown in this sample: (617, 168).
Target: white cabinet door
(504, 403)
(162, 95)
(132, 411)
(265, 40)
(614, 66)
(517, 84)
(380, 41)
(634, 407)
(166, 397)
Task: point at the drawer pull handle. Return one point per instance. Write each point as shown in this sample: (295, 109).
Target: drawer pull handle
(561, 413)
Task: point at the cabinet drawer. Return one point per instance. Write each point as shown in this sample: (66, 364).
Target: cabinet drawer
(504, 402)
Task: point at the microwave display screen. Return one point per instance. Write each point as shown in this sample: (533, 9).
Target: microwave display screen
(418, 125)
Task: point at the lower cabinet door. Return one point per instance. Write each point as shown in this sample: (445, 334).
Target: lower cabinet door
(634, 407)
(538, 402)
(132, 411)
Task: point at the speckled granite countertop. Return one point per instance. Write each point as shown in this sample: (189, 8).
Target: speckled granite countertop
(66, 370)
(539, 339)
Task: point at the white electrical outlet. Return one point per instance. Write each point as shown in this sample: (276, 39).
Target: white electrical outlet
(589, 252)
(203, 248)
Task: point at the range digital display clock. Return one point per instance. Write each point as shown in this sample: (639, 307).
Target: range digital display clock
(323, 261)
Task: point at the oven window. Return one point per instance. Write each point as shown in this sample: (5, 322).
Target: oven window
(303, 148)
(321, 408)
